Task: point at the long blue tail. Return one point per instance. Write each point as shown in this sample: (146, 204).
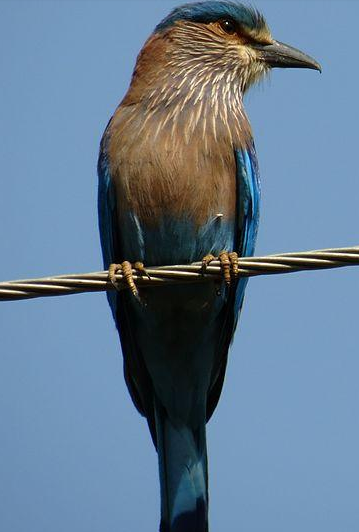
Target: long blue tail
(182, 457)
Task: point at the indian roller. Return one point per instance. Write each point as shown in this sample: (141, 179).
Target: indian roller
(178, 183)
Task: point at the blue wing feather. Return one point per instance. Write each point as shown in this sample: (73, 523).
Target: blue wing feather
(248, 200)
(136, 376)
(107, 219)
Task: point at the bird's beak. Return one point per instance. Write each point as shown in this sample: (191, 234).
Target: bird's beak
(281, 55)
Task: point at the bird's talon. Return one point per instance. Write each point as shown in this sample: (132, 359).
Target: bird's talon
(112, 270)
(206, 261)
(229, 265)
(128, 276)
(138, 266)
(233, 257)
(226, 266)
(126, 269)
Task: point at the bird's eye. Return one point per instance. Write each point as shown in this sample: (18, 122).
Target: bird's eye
(228, 26)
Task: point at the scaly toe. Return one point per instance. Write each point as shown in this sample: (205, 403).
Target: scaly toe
(128, 276)
(206, 261)
(226, 266)
(112, 270)
(126, 269)
(233, 257)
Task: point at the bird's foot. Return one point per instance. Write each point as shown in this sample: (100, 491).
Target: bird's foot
(126, 269)
(229, 265)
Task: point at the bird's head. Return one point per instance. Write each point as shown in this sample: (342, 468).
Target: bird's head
(192, 72)
(228, 37)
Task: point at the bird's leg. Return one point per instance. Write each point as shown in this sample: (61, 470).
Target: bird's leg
(229, 264)
(126, 268)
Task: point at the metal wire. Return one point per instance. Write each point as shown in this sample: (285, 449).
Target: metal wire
(248, 267)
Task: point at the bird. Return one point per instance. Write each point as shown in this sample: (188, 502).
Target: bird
(179, 182)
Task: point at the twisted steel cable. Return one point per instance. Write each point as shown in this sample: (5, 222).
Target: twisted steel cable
(248, 267)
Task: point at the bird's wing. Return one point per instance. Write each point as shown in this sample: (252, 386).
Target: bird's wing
(140, 391)
(106, 209)
(248, 199)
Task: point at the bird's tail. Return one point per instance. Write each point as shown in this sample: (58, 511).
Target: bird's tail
(182, 459)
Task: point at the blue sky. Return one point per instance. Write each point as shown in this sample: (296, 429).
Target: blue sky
(283, 444)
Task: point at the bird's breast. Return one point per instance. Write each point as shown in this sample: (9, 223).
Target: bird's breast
(174, 186)
(158, 171)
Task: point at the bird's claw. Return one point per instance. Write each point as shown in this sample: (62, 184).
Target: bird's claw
(229, 265)
(139, 267)
(126, 269)
(206, 261)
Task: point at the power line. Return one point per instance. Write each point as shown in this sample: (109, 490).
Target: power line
(248, 267)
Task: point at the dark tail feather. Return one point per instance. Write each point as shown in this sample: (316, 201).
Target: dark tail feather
(182, 457)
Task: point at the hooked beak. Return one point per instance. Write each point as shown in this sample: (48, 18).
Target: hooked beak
(281, 55)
